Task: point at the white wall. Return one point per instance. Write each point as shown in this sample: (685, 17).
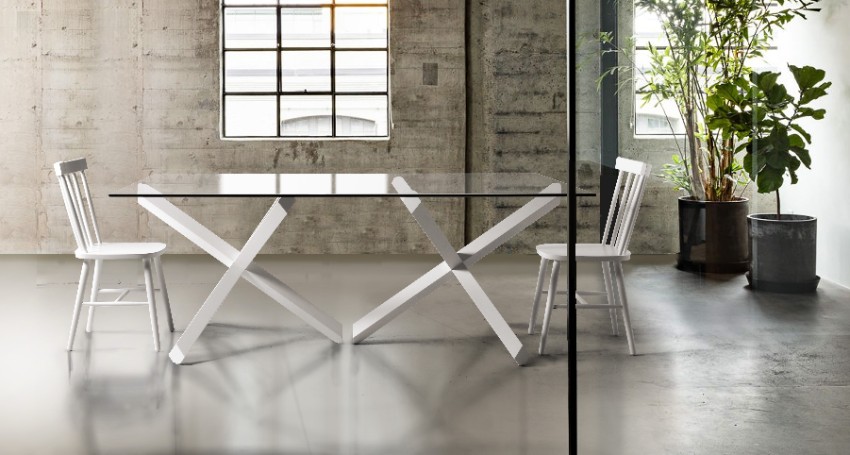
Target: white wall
(824, 191)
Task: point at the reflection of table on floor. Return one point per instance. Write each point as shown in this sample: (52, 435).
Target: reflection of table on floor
(285, 188)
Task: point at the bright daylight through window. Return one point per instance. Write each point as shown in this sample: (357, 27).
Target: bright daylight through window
(652, 117)
(305, 68)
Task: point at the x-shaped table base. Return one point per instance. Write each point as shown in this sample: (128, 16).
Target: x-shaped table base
(239, 265)
(457, 263)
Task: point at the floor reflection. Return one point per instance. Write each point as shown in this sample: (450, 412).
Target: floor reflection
(117, 395)
(720, 369)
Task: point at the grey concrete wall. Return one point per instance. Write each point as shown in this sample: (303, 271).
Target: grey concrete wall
(517, 95)
(133, 86)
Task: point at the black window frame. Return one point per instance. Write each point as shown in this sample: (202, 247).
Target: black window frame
(332, 5)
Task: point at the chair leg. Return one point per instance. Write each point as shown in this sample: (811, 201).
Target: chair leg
(157, 262)
(627, 322)
(78, 303)
(536, 303)
(611, 298)
(151, 302)
(95, 287)
(550, 304)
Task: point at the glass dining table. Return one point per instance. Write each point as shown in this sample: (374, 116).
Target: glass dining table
(153, 192)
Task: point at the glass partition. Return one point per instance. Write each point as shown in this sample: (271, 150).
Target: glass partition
(729, 284)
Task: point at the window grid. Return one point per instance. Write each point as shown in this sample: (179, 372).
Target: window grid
(279, 49)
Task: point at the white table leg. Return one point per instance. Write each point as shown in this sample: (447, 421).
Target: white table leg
(492, 315)
(457, 263)
(395, 305)
(229, 256)
(252, 247)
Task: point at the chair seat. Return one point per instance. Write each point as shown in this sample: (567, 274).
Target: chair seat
(135, 250)
(585, 252)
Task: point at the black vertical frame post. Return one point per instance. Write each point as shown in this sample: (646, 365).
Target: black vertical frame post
(571, 289)
(222, 37)
(609, 112)
(333, 69)
(279, 67)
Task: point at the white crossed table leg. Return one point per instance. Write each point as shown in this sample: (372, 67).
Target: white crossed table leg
(239, 265)
(457, 263)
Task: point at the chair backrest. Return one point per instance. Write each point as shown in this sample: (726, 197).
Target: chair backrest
(78, 201)
(628, 193)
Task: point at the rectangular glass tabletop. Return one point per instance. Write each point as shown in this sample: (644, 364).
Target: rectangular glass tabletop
(346, 185)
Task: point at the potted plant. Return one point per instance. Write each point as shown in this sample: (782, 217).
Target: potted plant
(766, 118)
(710, 44)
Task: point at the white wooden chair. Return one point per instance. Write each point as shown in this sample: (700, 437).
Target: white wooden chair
(613, 250)
(78, 203)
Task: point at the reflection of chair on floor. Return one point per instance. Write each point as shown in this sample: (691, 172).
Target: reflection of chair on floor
(611, 253)
(78, 203)
(122, 397)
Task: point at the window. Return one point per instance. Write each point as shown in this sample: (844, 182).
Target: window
(653, 118)
(305, 68)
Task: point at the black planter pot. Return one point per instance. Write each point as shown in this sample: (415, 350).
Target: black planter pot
(784, 252)
(713, 236)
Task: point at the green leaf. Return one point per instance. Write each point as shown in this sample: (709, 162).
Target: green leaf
(728, 92)
(777, 96)
(804, 156)
(765, 81)
(769, 180)
(776, 160)
(793, 163)
(802, 132)
(807, 96)
(795, 140)
(807, 76)
(719, 123)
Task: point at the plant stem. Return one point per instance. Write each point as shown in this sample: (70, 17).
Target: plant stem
(778, 207)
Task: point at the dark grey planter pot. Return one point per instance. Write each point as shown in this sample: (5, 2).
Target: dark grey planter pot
(783, 251)
(713, 236)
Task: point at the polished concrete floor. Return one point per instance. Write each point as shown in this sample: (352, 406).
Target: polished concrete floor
(721, 370)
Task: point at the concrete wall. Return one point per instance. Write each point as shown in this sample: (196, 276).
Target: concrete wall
(518, 106)
(822, 191)
(134, 87)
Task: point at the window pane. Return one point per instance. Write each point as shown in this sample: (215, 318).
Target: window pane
(652, 118)
(306, 71)
(305, 116)
(360, 71)
(250, 28)
(361, 27)
(250, 72)
(342, 2)
(304, 2)
(361, 115)
(250, 115)
(648, 29)
(305, 27)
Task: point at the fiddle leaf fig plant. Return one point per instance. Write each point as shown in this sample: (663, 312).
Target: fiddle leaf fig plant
(706, 68)
(765, 119)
